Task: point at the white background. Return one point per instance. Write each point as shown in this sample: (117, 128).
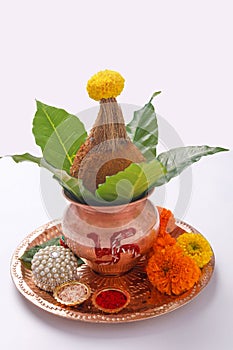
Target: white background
(48, 51)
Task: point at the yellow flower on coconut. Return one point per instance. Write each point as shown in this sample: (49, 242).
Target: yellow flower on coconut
(105, 84)
(196, 247)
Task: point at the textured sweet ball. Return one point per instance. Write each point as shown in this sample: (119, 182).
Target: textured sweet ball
(53, 266)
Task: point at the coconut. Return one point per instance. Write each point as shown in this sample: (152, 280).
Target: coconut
(108, 149)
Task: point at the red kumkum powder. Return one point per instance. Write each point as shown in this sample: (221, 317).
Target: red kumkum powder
(111, 299)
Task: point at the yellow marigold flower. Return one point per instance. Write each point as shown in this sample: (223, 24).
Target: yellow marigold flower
(196, 247)
(105, 84)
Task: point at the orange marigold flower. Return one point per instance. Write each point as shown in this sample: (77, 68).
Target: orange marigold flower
(171, 272)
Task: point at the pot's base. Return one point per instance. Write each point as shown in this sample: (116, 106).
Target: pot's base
(117, 274)
(105, 271)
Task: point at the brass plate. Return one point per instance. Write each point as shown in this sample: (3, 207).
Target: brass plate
(145, 300)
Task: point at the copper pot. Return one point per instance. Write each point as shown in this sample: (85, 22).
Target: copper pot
(111, 239)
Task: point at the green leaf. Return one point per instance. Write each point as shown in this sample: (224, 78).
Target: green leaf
(132, 183)
(143, 129)
(59, 134)
(177, 159)
(18, 158)
(71, 184)
(26, 157)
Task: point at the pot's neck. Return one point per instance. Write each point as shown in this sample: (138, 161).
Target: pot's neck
(120, 213)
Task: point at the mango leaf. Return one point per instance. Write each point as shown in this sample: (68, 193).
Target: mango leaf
(177, 159)
(132, 183)
(26, 157)
(59, 134)
(143, 129)
(72, 185)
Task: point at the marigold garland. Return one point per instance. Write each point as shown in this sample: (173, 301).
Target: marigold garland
(167, 223)
(171, 272)
(167, 220)
(163, 242)
(196, 247)
(105, 84)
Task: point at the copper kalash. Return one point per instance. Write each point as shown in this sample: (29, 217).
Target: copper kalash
(110, 239)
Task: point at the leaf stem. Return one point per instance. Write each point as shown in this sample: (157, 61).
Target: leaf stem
(154, 94)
